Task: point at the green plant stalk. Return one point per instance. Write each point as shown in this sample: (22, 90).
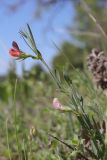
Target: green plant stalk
(89, 129)
(30, 147)
(7, 138)
(15, 118)
(25, 158)
(69, 146)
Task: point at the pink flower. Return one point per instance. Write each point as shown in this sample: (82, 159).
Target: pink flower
(57, 104)
(14, 52)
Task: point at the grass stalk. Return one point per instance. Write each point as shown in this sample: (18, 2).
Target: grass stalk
(15, 119)
(7, 139)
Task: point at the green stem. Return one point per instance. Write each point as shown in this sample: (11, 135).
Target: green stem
(7, 137)
(15, 118)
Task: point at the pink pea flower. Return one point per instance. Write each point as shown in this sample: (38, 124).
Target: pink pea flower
(57, 104)
(15, 51)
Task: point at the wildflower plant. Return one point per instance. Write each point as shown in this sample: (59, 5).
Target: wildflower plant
(92, 132)
(97, 64)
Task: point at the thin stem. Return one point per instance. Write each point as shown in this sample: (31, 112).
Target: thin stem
(15, 117)
(25, 157)
(69, 146)
(7, 137)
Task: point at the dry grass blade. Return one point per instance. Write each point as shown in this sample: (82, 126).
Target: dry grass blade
(83, 33)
